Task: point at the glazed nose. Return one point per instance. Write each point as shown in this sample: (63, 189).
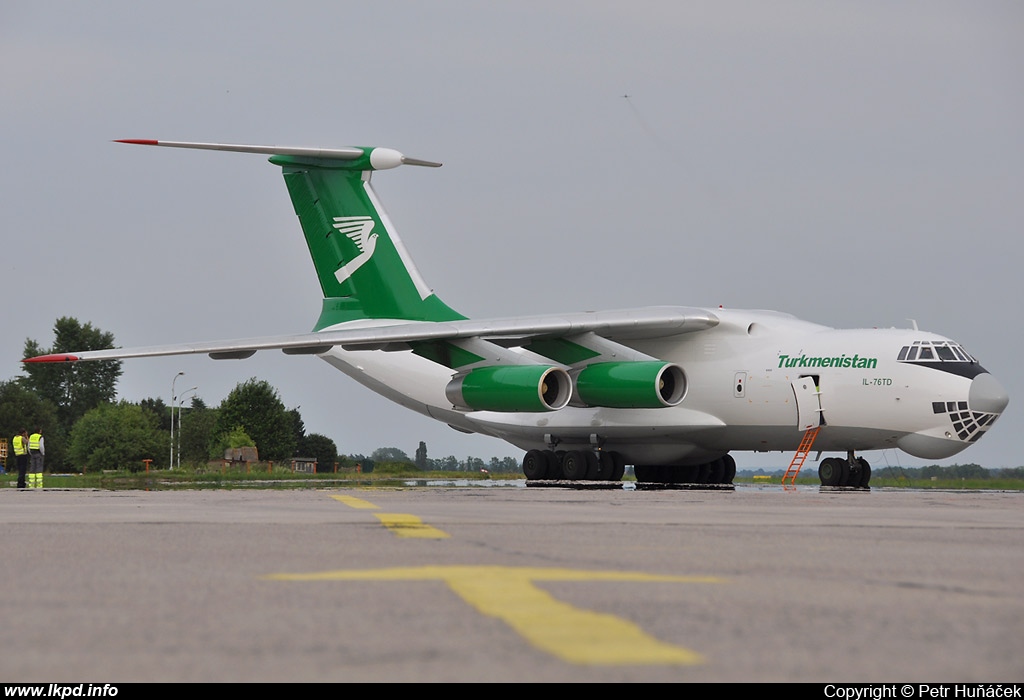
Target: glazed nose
(987, 395)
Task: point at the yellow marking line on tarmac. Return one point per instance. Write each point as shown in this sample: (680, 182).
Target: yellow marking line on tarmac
(400, 524)
(405, 525)
(353, 502)
(509, 594)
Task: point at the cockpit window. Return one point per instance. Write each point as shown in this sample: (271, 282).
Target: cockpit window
(933, 351)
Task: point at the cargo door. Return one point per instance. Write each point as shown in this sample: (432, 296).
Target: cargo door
(808, 402)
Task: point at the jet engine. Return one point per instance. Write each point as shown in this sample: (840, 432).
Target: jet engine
(631, 384)
(511, 388)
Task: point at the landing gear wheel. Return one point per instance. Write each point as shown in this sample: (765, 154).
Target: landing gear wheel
(865, 472)
(830, 471)
(852, 473)
(729, 472)
(616, 463)
(593, 467)
(668, 475)
(716, 470)
(645, 473)
(844, 465)
(605, 467)
(574, 465)
(688, 474)
(535, 465)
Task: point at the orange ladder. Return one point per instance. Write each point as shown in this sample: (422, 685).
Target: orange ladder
(801, 455)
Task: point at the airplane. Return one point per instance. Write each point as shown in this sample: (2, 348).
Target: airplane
(671, 390)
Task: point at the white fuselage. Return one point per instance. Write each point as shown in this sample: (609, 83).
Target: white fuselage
(755, 382)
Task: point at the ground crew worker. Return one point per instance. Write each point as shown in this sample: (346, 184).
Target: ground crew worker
(36, 451)
(21, 455)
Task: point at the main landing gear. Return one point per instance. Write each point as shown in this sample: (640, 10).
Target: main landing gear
(719, 471)
(573, 465)
(589, 465)
(852, 472)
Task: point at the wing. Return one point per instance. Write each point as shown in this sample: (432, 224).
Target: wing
(650, 322)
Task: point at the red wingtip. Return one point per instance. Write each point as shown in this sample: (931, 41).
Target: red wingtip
(141, 142)
(51, 358)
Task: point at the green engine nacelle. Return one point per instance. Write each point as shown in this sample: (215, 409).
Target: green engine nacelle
(511, 389)
(631, 384)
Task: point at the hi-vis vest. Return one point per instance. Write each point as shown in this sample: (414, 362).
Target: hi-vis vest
(33, 442)
(19, 445)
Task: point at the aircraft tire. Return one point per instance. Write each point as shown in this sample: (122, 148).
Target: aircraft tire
(852, 475)
(730, 469)
(865, 472)
(606, 466)
(574, 465)
(535, 465)
(830, 471)
(716, 470)
(688, 474)
(618, 466)
(593, 467)
(645, 472)
(844, 479)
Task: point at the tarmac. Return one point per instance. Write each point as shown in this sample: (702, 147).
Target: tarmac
(511, 584)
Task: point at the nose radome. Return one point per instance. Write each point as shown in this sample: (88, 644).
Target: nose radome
(987, 395)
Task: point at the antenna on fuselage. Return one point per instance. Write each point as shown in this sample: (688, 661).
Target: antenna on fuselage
(913, 323)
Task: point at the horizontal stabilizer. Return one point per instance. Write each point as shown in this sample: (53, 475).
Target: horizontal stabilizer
(379, 158)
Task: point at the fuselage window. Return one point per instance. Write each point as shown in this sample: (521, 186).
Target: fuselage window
(903, 353)
(913, 355)
(926, 354)
(945, 354)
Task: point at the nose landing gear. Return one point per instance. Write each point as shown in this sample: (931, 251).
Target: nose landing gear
(852, 472)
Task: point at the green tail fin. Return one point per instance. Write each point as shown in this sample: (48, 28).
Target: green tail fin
(364, 270)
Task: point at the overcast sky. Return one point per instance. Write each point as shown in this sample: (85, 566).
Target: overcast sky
(856, 164)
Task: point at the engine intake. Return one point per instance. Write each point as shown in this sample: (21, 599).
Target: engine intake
(631, 384)
(511, 389)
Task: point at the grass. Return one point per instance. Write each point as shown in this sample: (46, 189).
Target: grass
(251, 476)
(886, 481)
(263, 476)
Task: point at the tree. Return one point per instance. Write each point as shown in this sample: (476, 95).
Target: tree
(363, 462)
(73, 387)
(22, 409)
(389, 454)
(421, 456)
(117, 436)
(160, 410)
(322, 448)
(256, 407)
(298, 427)
(195, 433)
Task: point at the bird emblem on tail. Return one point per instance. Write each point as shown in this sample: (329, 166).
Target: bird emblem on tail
(360, 230)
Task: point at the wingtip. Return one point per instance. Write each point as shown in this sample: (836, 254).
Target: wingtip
(141, 142)
(52, 358)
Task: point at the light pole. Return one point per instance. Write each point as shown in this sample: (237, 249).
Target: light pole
(181, 402)
(170, 458)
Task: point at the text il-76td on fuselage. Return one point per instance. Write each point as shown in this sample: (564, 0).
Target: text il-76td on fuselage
(671, 390)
